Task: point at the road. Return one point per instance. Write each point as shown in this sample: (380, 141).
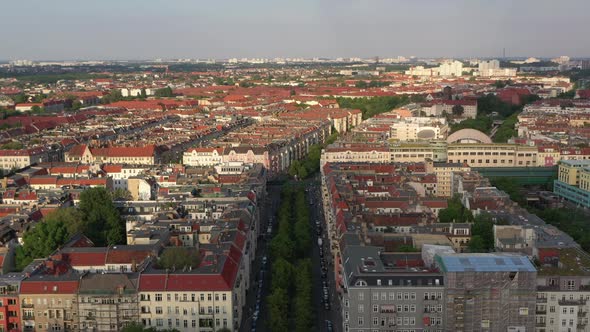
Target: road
(333, 314)
(268, 211)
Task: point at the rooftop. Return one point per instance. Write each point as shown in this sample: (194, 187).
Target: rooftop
(484, 263)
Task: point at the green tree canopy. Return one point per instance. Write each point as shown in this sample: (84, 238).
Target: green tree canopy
(40, 241)
(104, 225)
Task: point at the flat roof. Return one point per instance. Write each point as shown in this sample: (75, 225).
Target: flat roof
(485, 263)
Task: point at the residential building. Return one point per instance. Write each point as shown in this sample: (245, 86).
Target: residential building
(488, 292)
(390, 292)
(203, 156)
(10, 311)
(107, 302)
(48, 301)
(573, 181)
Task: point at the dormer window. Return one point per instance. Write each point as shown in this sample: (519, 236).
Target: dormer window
(361, 283)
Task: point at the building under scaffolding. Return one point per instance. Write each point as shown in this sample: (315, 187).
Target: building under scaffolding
(489, 292)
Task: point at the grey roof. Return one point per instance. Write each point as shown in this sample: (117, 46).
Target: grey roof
(484, 263)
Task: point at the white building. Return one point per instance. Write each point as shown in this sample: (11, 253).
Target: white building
(454, 68)
(415, 128)
(203, 157)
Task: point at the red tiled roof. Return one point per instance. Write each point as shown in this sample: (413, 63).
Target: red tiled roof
(49, 287)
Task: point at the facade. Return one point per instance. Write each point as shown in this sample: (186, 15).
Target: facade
(10, 311)
(17, 159)
(146, 155)
(49, 303)
(573, 181)
(488, 292)
(355, 153)
(444, 175)
(107, 302)
(563, 291)
(419, 128)
(378, 297)
(203, 157)
(493, 155)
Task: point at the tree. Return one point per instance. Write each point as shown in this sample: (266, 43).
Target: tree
(458, 110)
(104, 225)
(36, 109)
(71, 217)
(278, 307)
(282, 274)
(122, 194)
(178, 258)
(164, 92)
(40, 241)
(143, 93)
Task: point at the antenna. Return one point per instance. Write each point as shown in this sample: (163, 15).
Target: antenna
(504, 53)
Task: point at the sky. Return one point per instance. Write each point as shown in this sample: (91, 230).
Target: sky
(149, 29)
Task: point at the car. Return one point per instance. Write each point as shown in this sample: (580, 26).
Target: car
(329, 326)
(324, 275)
(327, 305)
(264, 260)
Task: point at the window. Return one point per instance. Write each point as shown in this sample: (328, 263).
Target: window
(375, 296)
(391, 296)
(383, 296)
(361, 308)
(375, 308)
(375, 321)
(159, 311)
(361, 321)
(571, 284)
(168, 297)
(361, 296)
(224, 297)
(159, 322)
(158, 297)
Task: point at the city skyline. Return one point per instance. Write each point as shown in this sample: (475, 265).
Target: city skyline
(135, 30)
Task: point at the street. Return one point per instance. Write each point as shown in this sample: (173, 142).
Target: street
(333, 314)
(268, 212)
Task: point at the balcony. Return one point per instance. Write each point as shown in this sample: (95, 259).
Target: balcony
(540, 324)
(571, 302)
(541, 300)
(541, 312)
(27, 305)
(582, 313)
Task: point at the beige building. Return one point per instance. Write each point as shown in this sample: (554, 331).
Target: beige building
(493, 155)
(203, 157)
(49, 302)
(444, 175)
(17, 159)
(140, 189)
(145, 155)
(570, 171)
(349, 153)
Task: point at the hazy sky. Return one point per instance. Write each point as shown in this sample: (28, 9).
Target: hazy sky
(147, 29)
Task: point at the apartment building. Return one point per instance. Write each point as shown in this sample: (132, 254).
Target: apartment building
(10, 311)
(207, 298)
(488, 292)
(107, 302)
(563, 291)
(573, 181)
(444, 175)
(145, 155)
(48, 301)
(381, 294)
(349, 153)
(17, 159)
(203, 157)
